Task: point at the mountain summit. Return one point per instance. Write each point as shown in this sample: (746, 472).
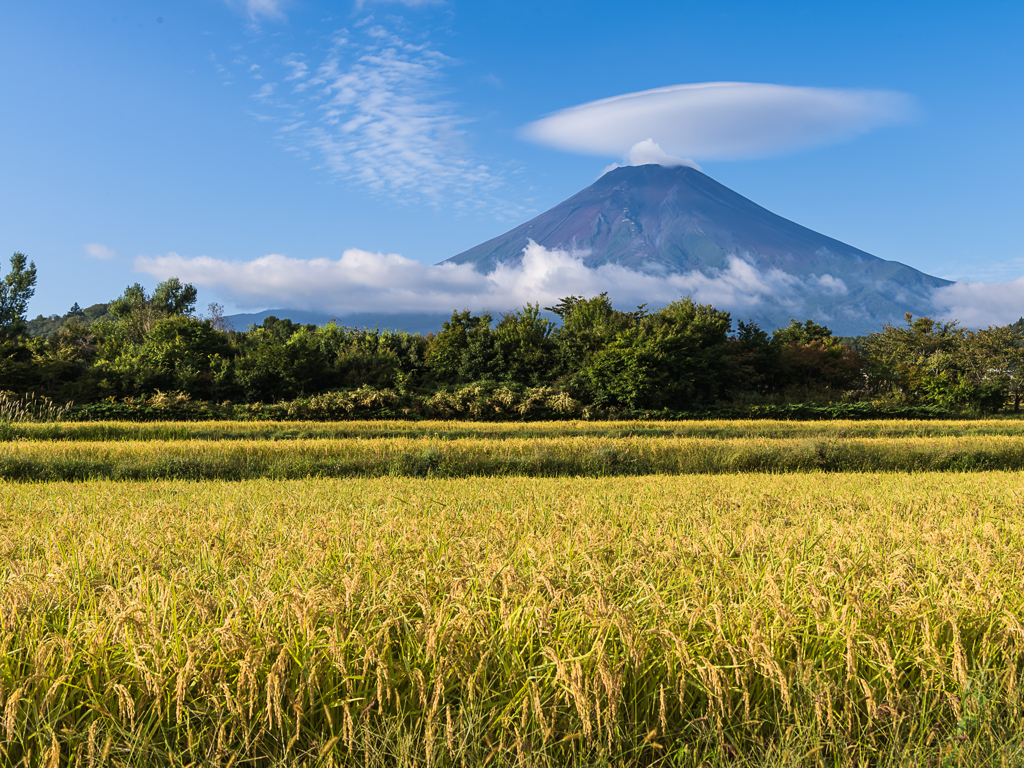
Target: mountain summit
(677, 220)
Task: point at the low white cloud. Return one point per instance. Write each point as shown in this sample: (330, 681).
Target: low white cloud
(259, 9)
(832, 286)
(98, 251)
(361, 281)
(978, 305)
(720, 121)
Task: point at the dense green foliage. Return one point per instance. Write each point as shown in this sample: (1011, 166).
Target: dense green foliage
(17, 287)
(147, 356)
(46, 326)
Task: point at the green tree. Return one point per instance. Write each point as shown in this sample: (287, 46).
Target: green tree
(363, 356)
(16, 290)
(179, 353)
(279, 359)
(930, 362)
(306, 370)
(173, 298)
(674, 358)
(756, 361)
(18, 371)
(801, 333)
(814, 364)
(997, 368)
(524, 346)
(137, 312)
(587, 326)
(463, 351)
(65, 364)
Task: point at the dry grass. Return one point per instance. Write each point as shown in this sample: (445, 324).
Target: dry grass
(752, 619)
(28, 409)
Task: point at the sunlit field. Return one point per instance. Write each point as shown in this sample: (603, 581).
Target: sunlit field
(452, 430)
(554, 456)
(714, 617)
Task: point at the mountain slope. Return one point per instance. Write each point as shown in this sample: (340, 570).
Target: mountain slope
(675, 220)
(410, 322)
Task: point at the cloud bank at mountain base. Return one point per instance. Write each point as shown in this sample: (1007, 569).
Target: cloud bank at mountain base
(361, 281)
(364, 282)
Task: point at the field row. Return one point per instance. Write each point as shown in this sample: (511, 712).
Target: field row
(452, 430)
(768, 620)
(540, 457)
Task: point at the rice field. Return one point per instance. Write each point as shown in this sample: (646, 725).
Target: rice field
(39, 460)
(798, 615)
(453, 430)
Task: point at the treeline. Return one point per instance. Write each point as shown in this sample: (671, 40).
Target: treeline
(149, 353)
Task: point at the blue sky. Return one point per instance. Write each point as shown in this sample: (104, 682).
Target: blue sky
(137, 136)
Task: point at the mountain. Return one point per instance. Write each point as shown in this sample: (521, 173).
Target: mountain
(410, 322)
(677, 220)
(46, 327)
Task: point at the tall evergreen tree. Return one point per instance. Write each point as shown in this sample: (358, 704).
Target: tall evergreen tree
(16, 289)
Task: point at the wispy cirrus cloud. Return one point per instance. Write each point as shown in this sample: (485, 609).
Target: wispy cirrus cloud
(720, 121)
(260, 9)
(265, 92)
(360, 4)
(384, 120)
(299, 68)
(374, 110)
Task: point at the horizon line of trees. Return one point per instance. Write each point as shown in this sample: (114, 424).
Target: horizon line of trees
(681, 357)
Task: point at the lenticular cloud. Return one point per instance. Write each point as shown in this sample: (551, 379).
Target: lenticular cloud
(719, 121)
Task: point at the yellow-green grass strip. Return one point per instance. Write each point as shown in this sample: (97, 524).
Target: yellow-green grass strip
(724, 429)
(541, 457)
(748, 620)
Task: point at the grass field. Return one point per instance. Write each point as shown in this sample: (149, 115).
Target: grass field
(810, 618)
(453, 430)
(40, 460)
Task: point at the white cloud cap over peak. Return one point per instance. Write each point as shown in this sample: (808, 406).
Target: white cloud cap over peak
(97, 251)
(720, 121)
(648, 152)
